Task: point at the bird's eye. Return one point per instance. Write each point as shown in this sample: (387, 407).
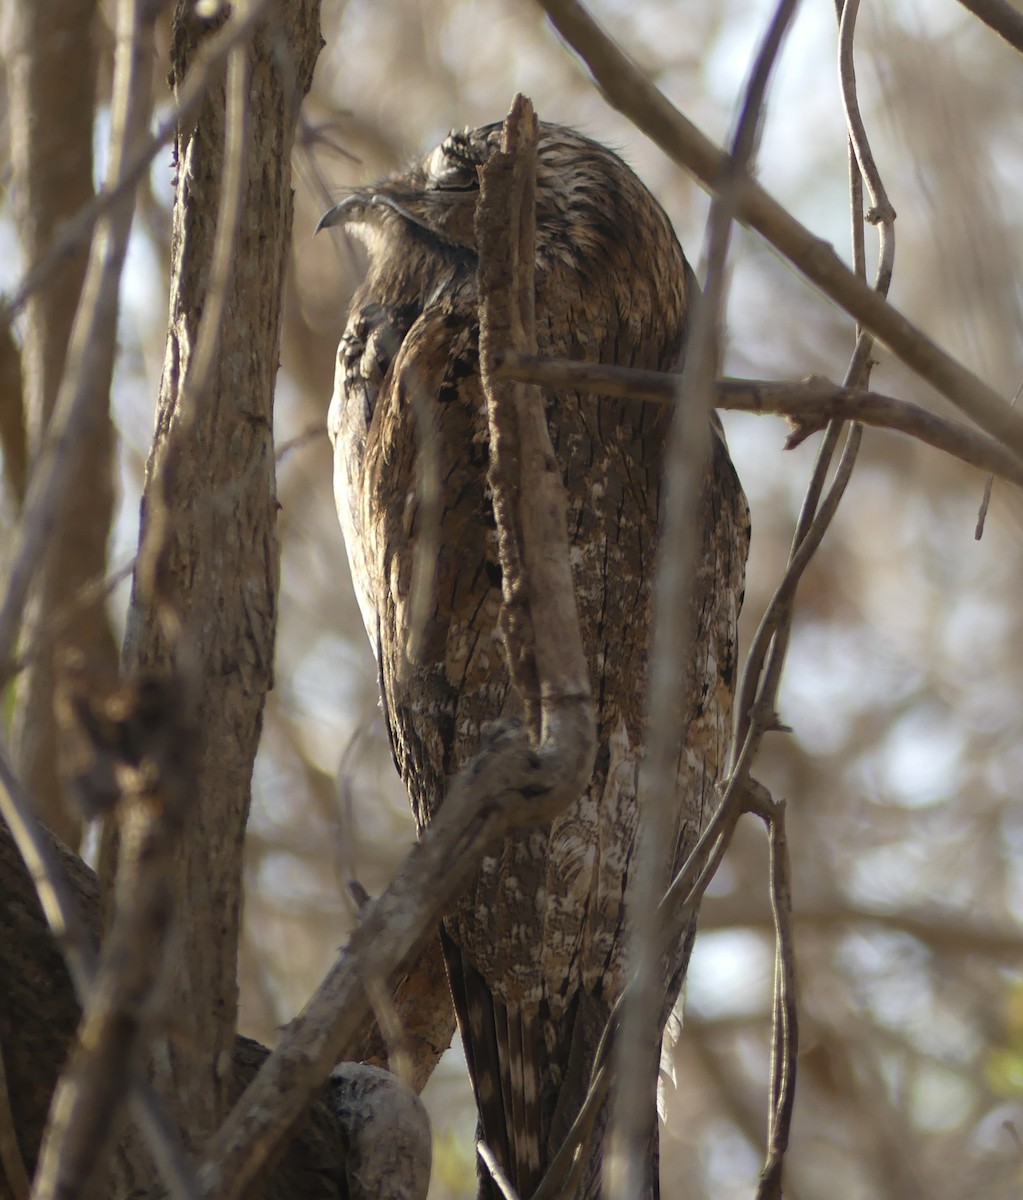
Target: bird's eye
(447, 172)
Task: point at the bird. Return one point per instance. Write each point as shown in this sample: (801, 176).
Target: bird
(536, 948)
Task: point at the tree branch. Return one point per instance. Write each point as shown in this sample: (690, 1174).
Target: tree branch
(517, 780)
(506, 786)
(545, 650)
(138, 757)
(1001, 16)
(628, 90)
(809, 404)
(633, 1113)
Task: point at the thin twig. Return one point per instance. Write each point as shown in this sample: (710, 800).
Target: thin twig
(85, 384)
(881, 213)
(530, 505)
(762, 671)
(75, 232)
(809, 404)
(1001, 16)
(489, 1160)
(633, 1110)
(989, 484)
(784, 1041)
(625, 87)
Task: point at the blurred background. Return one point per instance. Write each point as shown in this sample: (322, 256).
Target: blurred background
(904, 687)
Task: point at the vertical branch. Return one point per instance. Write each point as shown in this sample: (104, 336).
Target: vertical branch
(633, 1112)
(51, 69)
(784, 1041)
(142, 758)
(52, 83)
(204, 602)
(539, 617)
(762, 673)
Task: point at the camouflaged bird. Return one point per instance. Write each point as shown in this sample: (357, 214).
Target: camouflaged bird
(535, 950)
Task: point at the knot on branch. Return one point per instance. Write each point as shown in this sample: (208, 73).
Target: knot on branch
(130, 740)
(525, 784)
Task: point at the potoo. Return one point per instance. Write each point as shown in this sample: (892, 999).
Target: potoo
(535, 950)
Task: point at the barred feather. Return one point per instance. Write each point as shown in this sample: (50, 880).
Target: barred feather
(535, 949)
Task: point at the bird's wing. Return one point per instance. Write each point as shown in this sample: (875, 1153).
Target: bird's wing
(535, 948)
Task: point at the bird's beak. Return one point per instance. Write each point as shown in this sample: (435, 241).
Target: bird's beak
(350, 209)
(365, 208)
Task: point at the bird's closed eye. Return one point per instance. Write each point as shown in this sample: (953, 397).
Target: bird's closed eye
(447, 173)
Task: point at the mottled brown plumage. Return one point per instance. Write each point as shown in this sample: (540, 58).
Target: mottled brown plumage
(535, 949)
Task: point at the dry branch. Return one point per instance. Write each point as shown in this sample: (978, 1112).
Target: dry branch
(207, 604)
(809, 404)
(515, 781)
(84, 388)
(628, 1173)
(1001, 16)
(548, 665)
(136, 757)
(628, 90)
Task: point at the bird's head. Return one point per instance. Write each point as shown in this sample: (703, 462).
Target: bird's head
(585, 196)
(595, 221)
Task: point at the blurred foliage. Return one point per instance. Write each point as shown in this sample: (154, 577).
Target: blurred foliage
(904, 686)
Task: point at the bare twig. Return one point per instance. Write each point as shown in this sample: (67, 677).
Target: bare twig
(539, 615)
(138, 741)
(784, 1040)
(809, 404)
(627, 1174)
(989, 483)
(508, 785)
(87, 370)
(881, 213)
(755, 710)
(489, 1159)
(75, 232)
(625, 87)
(1001, 16)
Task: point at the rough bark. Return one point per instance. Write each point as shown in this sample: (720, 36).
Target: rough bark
(38, 1019)
(211, 474)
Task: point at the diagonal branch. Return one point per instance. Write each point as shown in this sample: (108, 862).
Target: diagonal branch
(628, 90)
(1001, 16)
